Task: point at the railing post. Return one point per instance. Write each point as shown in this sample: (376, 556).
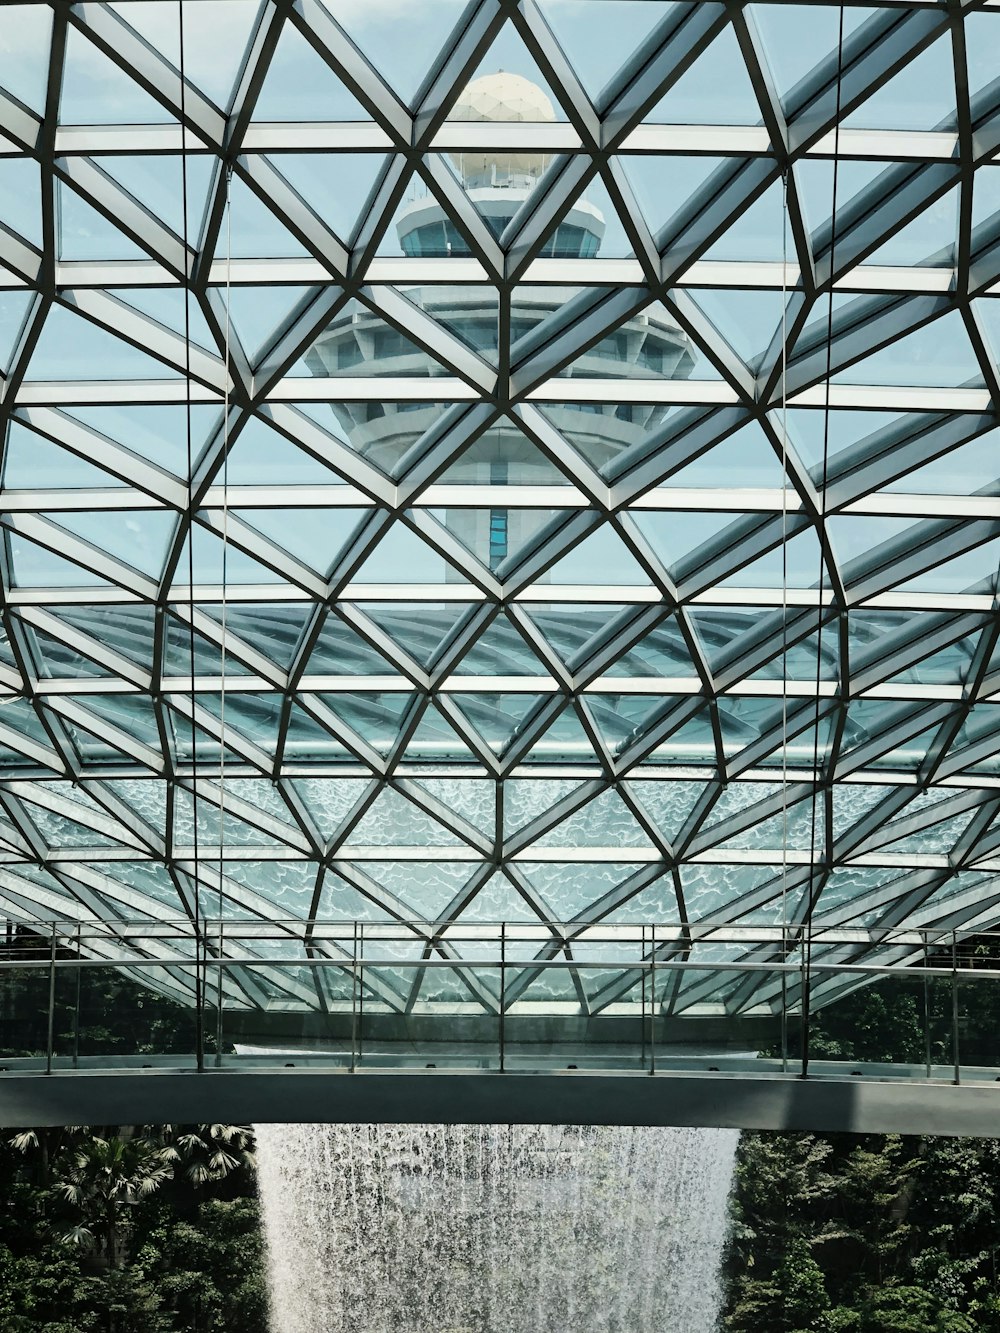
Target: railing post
(954, 1006)
(200, 947)
(52, 1002)
(354, 999)
(218, 999)
(805, 999)
(361, 991)
(927, 1009)
(76, 1006)
(652, 998)
(784, 998)
(503, 988)
(642, 972)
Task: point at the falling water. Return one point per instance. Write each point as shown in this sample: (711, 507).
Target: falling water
(493, 1228)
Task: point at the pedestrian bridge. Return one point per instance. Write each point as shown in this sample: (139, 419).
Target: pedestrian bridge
(147, 1022)
(735, 1093)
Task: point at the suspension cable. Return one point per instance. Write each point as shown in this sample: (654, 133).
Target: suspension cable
(821, 532)
(784, 611)
(223, 646)
(199, 1019)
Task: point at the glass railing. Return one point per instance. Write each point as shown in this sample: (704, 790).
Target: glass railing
(903, 1003)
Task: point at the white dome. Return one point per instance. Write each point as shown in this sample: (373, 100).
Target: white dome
(502, 97)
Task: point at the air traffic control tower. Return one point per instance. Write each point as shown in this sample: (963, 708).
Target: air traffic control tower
(648, 346)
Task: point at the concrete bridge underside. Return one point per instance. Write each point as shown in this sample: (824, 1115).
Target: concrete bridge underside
(833, 1098)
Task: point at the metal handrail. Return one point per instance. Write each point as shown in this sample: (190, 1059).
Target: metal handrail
(291, 950)
(410, 929)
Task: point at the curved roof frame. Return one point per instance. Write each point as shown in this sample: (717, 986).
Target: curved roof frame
(651, 682)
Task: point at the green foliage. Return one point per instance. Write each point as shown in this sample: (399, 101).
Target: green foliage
(97, 1011)
(881, 1022)
(109, 1229)
(880, 1234)
(873, 1234)
(135, 1229)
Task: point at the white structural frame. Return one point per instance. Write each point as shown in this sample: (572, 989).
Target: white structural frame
(893, 765)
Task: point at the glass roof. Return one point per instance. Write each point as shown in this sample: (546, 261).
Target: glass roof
(494, 462)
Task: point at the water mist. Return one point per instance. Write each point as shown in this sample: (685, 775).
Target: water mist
(493, 1228)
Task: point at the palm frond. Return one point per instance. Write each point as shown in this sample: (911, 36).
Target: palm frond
(79, 1235)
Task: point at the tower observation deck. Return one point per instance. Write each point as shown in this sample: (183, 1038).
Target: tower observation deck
(357, 342)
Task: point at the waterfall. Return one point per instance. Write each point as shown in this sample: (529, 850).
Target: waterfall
(493, 1228)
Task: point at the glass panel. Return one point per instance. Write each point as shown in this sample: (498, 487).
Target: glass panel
(402, 45)
(157, 183)
(96, 91)
(796, 37)
(649, 346)
(24, 53)
(938, 354)
(663, 185)
(359, 342)
(216, 35)
(542, 641)
(336, 186)
(301, 86)
(84, 233)
(72, 348)
(21, 198)
(920, 97)
(599, 36)
(715, 90)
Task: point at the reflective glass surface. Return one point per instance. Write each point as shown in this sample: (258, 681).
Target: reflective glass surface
(557, 484)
